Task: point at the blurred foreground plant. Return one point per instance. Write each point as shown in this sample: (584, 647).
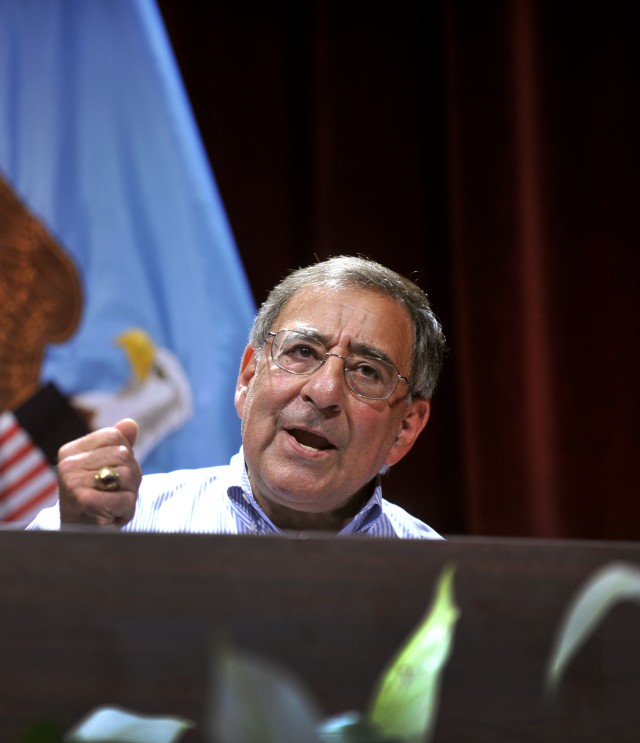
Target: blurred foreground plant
(255, 701)
(610, 585)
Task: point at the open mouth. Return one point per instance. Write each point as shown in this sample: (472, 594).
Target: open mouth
(311, 441)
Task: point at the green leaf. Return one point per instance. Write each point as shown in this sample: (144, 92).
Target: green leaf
(610, 585)
(405, 702)
(115, 725)
(256, 701)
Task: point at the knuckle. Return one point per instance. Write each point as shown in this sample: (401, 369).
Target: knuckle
(66, 468)
(123, 455)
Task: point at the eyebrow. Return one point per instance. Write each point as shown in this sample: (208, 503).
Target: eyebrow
(359, 349)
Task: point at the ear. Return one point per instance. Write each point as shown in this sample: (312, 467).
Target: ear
(247, 372)
(415, 418)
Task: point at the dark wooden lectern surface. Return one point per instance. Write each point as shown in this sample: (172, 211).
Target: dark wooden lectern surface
(94, 617)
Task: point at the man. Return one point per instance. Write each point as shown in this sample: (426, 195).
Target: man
(334, 388)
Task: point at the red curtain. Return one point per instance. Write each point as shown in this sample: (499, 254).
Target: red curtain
(491, 151)
(543, 108)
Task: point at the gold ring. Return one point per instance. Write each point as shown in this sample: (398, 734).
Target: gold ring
(107, 478)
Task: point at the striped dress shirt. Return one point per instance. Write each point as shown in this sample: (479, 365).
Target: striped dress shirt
(219, 500)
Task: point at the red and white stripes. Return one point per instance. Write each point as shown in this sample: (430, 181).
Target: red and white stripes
(27, 481)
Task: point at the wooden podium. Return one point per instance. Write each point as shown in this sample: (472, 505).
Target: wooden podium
(94, 617)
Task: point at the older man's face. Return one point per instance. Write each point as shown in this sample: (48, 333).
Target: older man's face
(311, 444)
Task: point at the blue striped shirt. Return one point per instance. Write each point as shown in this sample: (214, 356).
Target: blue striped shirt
(219, 500)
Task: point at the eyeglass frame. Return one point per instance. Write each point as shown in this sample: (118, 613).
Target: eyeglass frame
(397, 379)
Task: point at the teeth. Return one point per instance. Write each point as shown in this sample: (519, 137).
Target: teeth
(308, 448)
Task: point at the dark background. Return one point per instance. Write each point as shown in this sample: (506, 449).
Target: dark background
(489, 151)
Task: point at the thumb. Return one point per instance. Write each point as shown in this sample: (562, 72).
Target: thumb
(129, 429)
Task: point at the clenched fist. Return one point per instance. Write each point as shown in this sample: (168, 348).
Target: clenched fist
(87, 499)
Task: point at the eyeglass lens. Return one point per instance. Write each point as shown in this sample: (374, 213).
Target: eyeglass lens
(299, 353)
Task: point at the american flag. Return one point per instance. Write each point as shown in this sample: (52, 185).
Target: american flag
(27, 480)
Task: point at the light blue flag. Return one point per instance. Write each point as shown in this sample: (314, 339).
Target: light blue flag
(98, 139)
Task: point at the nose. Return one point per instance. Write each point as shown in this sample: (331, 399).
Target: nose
(326, 387)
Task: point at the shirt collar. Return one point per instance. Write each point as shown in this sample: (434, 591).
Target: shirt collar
(367, 515)
(253, 519)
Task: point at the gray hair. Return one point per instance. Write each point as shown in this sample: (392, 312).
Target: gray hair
(350, 272)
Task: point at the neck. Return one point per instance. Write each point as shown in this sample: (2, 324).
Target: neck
(291, 519)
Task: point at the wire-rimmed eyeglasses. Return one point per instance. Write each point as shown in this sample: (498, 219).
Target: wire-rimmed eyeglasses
(303, 354)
